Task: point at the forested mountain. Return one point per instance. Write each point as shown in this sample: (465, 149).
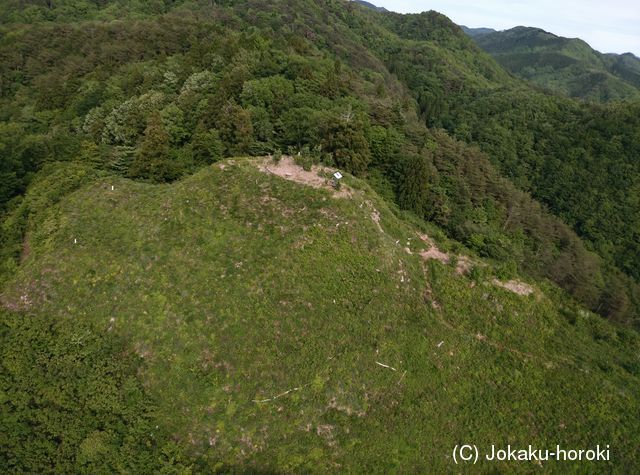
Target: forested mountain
(370, 5)
(170, 306)
(477, 32)
(568, 66)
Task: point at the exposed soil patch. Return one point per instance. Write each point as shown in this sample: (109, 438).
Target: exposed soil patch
(288, 170)
(428, 298)
(142, 350)
(515, 286)
(223, 165)
(464, 264)
(433, 252)
(375, 215)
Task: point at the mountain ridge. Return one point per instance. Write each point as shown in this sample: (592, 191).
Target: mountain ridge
(601, 77)
(371, 6)
(476, 32)
(566, 65)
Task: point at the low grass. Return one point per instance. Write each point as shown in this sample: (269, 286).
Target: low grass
(264, 310)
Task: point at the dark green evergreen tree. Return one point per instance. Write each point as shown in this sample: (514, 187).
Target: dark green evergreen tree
(121, 159)
(152, 160)
(415, 183)
(207, 147)
(345, 139)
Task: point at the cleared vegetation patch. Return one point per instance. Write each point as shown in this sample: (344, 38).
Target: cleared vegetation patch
(317, 177)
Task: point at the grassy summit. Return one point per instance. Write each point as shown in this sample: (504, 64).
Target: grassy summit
(281, 326)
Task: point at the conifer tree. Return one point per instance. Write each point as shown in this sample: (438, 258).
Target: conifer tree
(347, 142)
(413, 192)
(207, 147)
(121, 159)
(152, 161)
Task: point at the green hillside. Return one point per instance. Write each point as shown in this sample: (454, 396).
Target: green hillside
(183, 291)
(370, 5)
(568, 66)
(626, 65)
(259, 313)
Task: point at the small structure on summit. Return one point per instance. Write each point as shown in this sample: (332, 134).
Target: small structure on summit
(335, 180)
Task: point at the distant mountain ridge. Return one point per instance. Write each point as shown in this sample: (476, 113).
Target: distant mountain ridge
(477, 32)
(565, 65)
(568, 66)
(371, 5)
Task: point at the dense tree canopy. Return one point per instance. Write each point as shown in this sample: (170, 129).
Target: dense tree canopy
(71, 402)
(567, 66)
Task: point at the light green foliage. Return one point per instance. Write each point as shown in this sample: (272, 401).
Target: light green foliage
(173, 121)
(125, 123)
(200, 82)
